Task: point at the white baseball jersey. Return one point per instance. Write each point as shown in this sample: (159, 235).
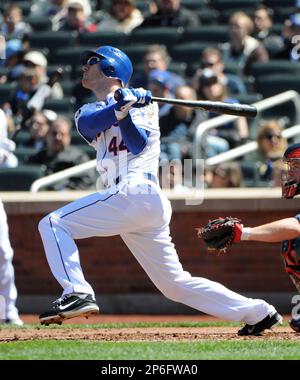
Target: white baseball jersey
(113, 157)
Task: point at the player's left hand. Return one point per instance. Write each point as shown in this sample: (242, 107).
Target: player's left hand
(130, 97)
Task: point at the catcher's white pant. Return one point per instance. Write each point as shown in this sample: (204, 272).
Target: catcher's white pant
(8, 290)
(143, 223)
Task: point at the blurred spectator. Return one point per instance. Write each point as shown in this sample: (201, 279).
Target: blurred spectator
(242, 48)
(210, 88)
(38, 126)
(263, 23)
(59, 155)
(77, 19)
(123, 16)
(28, 83)
(35, 59)
(291, 32)
(171, 13)
(156, 57)
(177, 127)
(212, 58)
(13, 26)
(14, 55)
(159, 85)
(57, 10)
(7, 146)
(226, 174)
(268, 157)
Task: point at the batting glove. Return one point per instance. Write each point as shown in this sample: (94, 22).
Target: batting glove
(130, 97)
(143, 96)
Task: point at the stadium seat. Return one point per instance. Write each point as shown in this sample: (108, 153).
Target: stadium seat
(234, 5)
(64, 105)
(89, 150)
(68, 55)
(283, 12)
(21, 137)
(6, 91)
(20, 178)
(3, 71)
(277, 28)
(248, 98)
(208, 16)
(205, 33)
(76, 139)
(112, 38)
(39, 23)
(67, 70)
(274, 66)
(23, 153)
(249, 172)
(135, 52)
(164, 35)
(269, 85)
(194, 4)
(232, 67)
(176, 67)
(189, 52)
(278, 3)
(67, 87)
(52, 40)
(142, 5)
(24, 5)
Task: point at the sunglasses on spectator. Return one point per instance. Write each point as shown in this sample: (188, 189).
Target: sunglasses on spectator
(92, 61)
(208, 64)
(271, 136)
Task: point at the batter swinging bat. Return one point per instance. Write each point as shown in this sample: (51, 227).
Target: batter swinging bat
(217, 107)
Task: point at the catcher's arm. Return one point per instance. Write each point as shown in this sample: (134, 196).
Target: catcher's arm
(277, 231)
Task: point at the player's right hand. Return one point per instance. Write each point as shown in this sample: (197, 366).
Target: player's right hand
(130, 97)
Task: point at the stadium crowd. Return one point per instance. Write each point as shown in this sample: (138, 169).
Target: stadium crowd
(223, 50)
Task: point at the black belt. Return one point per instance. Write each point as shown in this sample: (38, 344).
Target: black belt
(149, 176)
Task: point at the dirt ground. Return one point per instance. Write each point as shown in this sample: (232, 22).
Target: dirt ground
(140, 333)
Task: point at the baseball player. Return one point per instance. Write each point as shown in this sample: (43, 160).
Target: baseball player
(125, 134)
(285, 230)
(220, 233)
(7, 284)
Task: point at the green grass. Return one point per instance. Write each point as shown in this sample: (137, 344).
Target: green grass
(168, 350)
(131, 325)
(227, 350)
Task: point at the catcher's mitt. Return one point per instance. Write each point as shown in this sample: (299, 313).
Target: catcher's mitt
(219, 233)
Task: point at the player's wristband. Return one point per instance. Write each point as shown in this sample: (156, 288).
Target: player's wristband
(246, 232)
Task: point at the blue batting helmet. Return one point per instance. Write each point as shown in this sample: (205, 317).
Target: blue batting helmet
(114, 63)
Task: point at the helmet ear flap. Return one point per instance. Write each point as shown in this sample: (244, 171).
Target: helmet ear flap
(108, 69)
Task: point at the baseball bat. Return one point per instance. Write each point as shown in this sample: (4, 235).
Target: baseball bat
(217, 107)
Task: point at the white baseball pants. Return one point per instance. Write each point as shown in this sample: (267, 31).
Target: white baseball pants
(142, 220)
(7, 279)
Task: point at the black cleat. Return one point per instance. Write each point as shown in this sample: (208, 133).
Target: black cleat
(295, 324)
(70, 306)
(267, 323)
